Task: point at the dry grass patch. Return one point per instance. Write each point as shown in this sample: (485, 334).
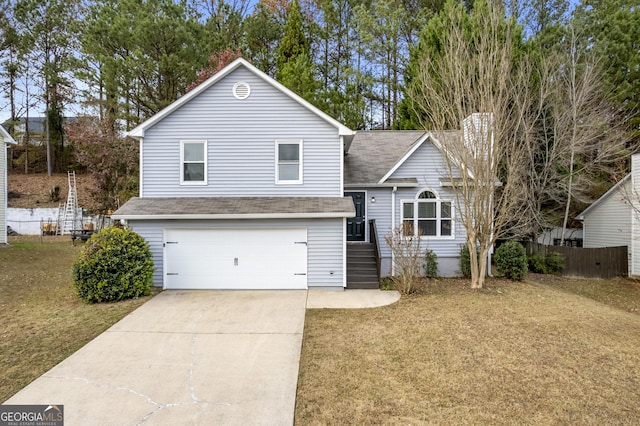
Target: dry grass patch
(622, 293)
(513, 353)
(42, 321)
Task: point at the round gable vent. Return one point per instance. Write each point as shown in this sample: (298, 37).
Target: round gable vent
(241, 90)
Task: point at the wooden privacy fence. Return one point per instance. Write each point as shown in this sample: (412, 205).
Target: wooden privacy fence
(606, 262)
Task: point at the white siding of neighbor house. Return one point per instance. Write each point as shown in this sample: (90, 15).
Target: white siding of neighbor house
(426, 164)
(3, 191)
(324, 243)
(634, 249)
(609, 223)
(241, 137)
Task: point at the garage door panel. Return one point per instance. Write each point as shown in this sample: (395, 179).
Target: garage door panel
(236, 259)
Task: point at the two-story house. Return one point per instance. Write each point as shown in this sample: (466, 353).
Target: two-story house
(245, 185)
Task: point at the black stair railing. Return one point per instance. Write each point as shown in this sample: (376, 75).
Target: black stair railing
(373, 236)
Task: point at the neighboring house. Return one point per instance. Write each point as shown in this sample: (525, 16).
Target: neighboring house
(37, 129)
(243, 184)
(5, 140)
(553, 237)
(613, 220)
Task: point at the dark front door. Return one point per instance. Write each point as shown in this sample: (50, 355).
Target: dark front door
(356, 225)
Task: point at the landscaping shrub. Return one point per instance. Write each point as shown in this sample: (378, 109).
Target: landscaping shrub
(115, 264)
(465, 261)
(406, 260)
(511, 261)
(551, 263)
(554, 262)
(430, 264)
(538, 264)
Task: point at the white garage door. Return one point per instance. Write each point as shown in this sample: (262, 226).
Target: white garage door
(235, 259)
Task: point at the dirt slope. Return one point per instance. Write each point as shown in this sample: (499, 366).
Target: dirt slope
(33, 190)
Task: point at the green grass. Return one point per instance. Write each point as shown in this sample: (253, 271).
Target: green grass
(42, 321)
(512, 353)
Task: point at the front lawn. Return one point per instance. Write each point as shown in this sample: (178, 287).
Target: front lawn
(560, 351)
(42, 321)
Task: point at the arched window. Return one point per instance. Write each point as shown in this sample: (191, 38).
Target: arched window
(427, 216)
(426, 195)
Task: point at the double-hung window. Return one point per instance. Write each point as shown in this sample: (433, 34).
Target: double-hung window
(193, 162)
(427, 216)
(288, 161)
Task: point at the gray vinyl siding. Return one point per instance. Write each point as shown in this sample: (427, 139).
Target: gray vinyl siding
(3, 192)
(381, 212)
(324, 243)
(241, 137)
(427, 166)
(609, 223)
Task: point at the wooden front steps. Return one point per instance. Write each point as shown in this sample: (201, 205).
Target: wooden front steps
(362, 272)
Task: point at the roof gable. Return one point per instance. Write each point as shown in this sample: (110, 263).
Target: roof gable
(373, 153)
(139, 131)
(409, 152)
(604, 197)
(6, 136)
(374, 156)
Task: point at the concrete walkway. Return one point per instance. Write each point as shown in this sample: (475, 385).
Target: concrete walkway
(193, 357)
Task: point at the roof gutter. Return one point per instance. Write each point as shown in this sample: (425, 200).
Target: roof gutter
(395, 185)
(232, 216)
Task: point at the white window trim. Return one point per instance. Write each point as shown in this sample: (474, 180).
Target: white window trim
(300, 165)
(206, 162)
(438, 201)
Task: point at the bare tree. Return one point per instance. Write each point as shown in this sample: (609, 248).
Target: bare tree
(584, 120)
(577, 138)
(478, 67)
(543, 133)
(407, 258)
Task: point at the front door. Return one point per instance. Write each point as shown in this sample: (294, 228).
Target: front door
(356, 225)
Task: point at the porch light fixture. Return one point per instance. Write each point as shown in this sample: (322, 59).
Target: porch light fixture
(373, 199)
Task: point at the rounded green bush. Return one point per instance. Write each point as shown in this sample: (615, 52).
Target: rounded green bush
(554, 262)
(115, 264)
(538, 264)
(430, 264)
(551, 263)
(511, 261)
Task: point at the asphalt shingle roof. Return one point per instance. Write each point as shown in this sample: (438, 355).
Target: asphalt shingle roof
(228, 207)
(373, 153)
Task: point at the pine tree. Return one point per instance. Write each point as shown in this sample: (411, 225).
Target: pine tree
(294, 66)
(141, 56)
(51, 36)
(611, 30)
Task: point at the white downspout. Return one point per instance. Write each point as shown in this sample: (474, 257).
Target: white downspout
(393, 226)
(140, 167)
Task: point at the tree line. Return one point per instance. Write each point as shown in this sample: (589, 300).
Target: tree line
(130, 58)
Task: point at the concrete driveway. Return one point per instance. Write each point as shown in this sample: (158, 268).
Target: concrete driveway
(185, 357)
